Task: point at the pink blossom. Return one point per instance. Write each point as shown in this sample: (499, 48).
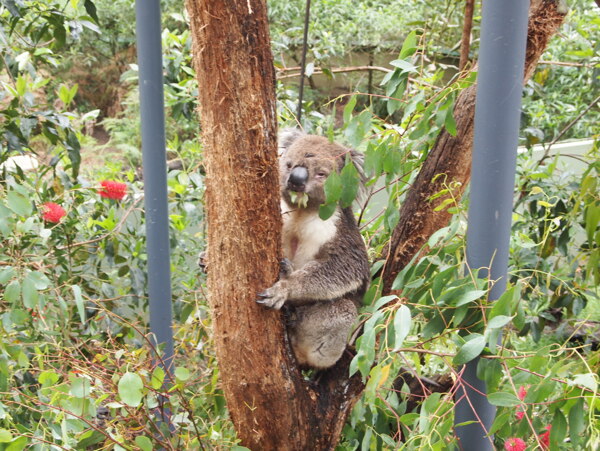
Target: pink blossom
(545, 437)
(52, 212)
(520, 414)
(522, 393)
(514, 444)
(113, 190)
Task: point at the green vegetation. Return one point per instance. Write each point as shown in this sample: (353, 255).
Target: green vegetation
(75, 365)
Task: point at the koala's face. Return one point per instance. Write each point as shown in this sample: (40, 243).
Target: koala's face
(304, 166)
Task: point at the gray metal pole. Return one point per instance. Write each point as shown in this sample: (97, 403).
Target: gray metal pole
(497, 115)
(148, 31)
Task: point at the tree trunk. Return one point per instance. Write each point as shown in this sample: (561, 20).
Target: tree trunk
(465, 43)
(270, 403)
(450, 158)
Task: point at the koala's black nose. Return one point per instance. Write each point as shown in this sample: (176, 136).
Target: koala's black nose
(298, 178)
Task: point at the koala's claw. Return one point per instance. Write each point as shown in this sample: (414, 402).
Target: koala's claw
(273, 297)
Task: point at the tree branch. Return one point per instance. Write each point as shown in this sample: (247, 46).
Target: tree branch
(451, 155)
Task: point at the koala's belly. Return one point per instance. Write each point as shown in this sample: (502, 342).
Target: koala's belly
(304, 233)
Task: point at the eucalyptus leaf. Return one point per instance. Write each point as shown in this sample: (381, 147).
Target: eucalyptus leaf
(402, 323)
(503, 399)
(470, 349)
(130, 389)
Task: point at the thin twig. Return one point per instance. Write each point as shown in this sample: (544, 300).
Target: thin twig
(106, 235)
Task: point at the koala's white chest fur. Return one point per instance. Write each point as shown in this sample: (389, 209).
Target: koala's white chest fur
(304, 233)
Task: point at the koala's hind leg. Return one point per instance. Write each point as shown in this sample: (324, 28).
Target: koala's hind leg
(320, 332)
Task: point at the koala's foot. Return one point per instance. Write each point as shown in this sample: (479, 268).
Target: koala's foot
(275, 296)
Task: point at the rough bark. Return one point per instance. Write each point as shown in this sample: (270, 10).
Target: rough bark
(465, 43)
(270, 403)
(450, 158)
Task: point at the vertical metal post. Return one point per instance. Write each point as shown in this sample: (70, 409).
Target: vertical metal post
(149, 48)
(303, 62)
(497, 115)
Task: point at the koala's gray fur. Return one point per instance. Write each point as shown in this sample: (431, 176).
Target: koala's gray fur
(325, 272)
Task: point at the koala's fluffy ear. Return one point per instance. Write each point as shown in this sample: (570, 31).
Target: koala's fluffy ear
(358, 160)
(287, 137)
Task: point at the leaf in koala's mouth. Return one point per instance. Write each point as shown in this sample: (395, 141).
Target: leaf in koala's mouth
(300, 199)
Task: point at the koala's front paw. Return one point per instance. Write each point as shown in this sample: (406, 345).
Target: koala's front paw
(275, 296)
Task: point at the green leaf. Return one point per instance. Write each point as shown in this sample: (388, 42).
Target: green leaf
(450, 123)
(587, 380)
(358, 127)
(18, 445)
(469, 296)
(503, 306)
(409, 46)
(498, 321)
(11, 5)
(592, 218)
(405, 66)
(576, 422)
(182, 373)
(363, 360)
(144, 443)
(66, 94)
(40, 280)
(349, 108)
(12, 292)
(79, 302)
(80, 387)
(500, 421)
(558, 432)
(60, 35)
(158, 377)
(73, 150)
(6, 274)
(433, 327)
(503, 399)
(5, 436)
(326, 211)
(48, 378)
(19, 203)
(130, 389)
(391, 216)
(29, 293)
(333, 188)
(91, 10)
(350, 181)
(402, 322)
(470, 349)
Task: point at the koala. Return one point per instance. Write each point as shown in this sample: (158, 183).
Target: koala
(325, 272)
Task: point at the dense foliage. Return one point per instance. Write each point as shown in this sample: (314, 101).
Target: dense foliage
(76, 369)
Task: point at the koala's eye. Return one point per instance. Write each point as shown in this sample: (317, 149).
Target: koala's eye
(322, 174)
(289, 165)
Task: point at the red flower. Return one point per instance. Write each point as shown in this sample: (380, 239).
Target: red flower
(52, 212)
(112, 189)
(522, 393)
(520, 414)
(514, 444)
(545, 437)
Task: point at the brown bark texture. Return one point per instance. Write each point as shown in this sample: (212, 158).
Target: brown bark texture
(449, 161)
(465, 43)
(270, 403)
